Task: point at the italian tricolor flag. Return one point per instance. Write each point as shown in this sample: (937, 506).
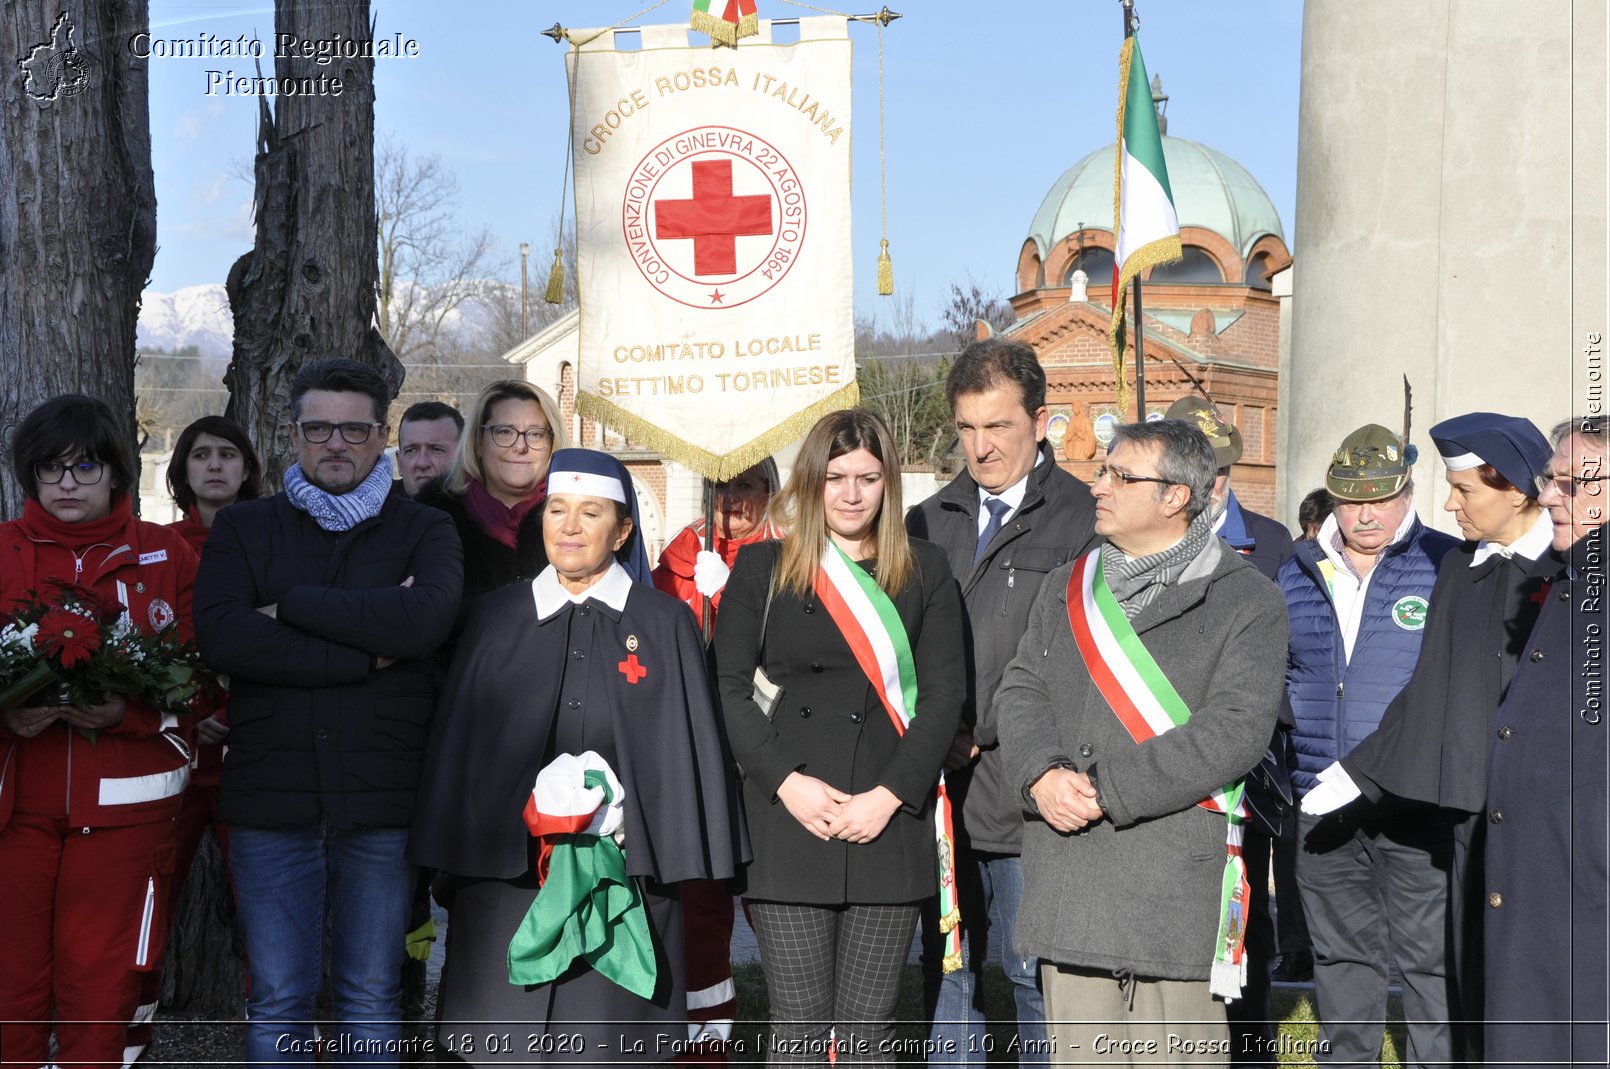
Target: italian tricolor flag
(725, 20)
(1143, 219)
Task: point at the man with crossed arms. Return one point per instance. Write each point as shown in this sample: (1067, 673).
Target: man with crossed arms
(1124, 864)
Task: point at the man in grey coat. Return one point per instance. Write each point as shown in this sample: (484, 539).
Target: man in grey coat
(1005, 523)
(1123, 858)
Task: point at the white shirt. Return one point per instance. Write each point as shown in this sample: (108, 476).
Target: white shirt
(1012, 495)
(550, 597)
(1531, 545)
(1347, 589)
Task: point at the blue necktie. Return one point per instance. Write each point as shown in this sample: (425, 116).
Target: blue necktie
(997, 512)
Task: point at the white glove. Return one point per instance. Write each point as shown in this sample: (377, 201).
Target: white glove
(1336, 789)
(709, 573)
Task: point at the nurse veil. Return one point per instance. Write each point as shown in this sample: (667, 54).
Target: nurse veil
(586, 662)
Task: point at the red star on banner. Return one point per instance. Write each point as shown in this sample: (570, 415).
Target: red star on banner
(715, 296)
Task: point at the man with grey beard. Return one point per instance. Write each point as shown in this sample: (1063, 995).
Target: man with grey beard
(1374, 876)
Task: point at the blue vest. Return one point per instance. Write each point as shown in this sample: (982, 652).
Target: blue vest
(1335, 702)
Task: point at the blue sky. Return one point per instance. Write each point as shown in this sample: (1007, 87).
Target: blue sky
(987, 104)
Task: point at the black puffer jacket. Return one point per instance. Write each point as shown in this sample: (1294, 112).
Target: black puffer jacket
(316, 729)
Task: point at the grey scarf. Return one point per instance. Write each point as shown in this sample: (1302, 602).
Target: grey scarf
(340, 512)
(1136, 581)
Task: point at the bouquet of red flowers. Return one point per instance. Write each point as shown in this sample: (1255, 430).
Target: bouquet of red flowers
(71, 646)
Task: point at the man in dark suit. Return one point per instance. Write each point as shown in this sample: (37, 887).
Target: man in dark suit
(1004, 523)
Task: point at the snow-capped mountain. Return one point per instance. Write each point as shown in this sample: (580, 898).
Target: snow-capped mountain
(195, 315)
(200, 316)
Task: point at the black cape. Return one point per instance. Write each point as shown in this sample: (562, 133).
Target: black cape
(1547, 866)
(632, 686)
(1431, 745)
(514, 675)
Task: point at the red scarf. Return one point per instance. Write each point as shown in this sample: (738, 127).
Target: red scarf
(41, 526)
(498, 520)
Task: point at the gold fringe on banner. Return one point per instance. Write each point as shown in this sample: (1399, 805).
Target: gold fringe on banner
(556, 279)
(885, 271)
(714, 466)
(723, 32)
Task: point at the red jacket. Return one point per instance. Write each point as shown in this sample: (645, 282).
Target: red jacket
(674, 572)
(207, 767)
(134, 772)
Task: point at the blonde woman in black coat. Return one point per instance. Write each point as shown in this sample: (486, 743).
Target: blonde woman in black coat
(841, 801)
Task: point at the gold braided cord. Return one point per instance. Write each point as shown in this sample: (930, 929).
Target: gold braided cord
(555, 293)
(1162, 251)
(714, 466)
(1116, 332)
(885, 265)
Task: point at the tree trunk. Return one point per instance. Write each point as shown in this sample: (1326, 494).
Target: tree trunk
(307, 288)
(77, 208)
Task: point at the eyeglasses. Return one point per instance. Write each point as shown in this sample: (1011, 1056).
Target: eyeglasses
(85, 472)
(1105, 472)
(1565, 483)
(318, 432)
(504, 435)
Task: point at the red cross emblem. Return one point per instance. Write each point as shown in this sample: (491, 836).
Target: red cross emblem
(713, 218)
(1540, 595)
(632, 669)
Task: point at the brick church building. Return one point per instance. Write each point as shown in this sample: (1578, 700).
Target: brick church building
(1215, 313)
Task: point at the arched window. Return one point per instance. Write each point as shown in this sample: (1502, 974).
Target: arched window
(1197, 266)
(1258, 271)
(1095, 263)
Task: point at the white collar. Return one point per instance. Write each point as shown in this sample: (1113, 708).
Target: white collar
(1331, 542)
(550, 597)
(1531, 545)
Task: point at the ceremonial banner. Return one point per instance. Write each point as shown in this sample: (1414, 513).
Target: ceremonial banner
(713, 240)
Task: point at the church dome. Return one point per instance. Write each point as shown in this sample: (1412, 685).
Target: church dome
(1211, 191)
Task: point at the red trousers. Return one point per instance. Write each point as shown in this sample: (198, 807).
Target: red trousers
(200, 810)
(85, 920)
(712, 1001)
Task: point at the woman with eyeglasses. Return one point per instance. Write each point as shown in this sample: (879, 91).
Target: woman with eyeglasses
(496, 485)
(861, 628)
(88, 796)
(1433, 740)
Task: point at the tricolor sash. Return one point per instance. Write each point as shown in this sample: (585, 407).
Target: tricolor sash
(867, 618)
(1147, 704)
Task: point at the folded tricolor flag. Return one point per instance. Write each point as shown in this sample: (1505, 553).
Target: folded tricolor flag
(587, 907)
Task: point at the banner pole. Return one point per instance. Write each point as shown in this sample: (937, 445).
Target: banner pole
(707, 618)
(560, 33)
(1140, 323)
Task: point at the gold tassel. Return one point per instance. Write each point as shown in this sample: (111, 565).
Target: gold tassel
(885, 271)
(556, 279)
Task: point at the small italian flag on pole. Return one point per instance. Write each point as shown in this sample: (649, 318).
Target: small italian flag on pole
(730, 20)
(1143, 219)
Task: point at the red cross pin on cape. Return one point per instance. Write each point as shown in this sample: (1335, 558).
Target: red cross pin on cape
(632, 669)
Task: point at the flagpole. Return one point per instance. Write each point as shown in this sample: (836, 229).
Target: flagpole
(1140, 322)
(707, 618)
